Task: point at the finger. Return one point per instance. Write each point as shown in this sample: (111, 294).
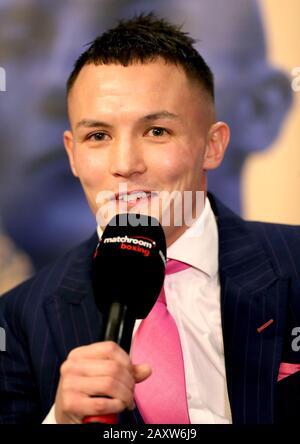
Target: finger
(99, 386)
(141, 372)
(77, 406)
(93, 368)
(101, 350)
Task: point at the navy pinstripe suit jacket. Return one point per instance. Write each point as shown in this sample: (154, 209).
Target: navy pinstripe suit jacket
(259, 266)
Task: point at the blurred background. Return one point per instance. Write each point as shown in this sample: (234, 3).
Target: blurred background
(252, 47)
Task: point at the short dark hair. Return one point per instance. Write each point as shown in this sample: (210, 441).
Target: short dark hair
(143, 39)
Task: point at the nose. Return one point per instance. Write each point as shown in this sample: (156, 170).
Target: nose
(126, 159)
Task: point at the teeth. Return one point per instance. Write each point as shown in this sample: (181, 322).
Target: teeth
(133, 196)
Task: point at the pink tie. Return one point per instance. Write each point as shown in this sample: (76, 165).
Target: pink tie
(161, 399)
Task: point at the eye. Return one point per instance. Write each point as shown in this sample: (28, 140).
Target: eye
(157, 131)
(99, 136)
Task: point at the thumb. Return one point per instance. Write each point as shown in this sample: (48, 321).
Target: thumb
(141, 372)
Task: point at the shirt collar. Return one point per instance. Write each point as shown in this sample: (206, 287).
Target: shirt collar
(198, 245)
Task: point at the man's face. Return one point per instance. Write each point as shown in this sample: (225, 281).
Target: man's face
(145, 126)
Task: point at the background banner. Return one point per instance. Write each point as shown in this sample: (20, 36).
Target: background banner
(253, 48)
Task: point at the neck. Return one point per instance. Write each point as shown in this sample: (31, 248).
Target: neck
(173, 233)
(225, 183)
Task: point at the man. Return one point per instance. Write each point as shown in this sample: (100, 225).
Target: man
(141, 109)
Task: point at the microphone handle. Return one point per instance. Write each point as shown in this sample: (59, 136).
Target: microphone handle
(119, 325)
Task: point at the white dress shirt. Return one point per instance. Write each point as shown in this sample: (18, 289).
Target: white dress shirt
(193, 299)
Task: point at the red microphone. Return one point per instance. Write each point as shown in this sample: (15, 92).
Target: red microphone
(104, 419)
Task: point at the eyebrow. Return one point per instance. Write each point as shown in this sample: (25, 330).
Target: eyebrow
(90, 123)
(160, 115)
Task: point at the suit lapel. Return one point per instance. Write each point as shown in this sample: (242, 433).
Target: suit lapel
(251, 295)
(71, 312)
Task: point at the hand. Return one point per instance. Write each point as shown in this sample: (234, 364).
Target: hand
(100, 369)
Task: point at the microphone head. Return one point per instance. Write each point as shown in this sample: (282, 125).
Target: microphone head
(129, 264)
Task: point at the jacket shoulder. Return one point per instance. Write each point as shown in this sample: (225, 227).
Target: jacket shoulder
(282, 243)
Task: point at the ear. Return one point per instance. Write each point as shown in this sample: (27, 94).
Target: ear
(263, 110)
(217, 142)
(69, 146)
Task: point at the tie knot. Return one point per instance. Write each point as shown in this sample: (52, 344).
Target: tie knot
(173, 266)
